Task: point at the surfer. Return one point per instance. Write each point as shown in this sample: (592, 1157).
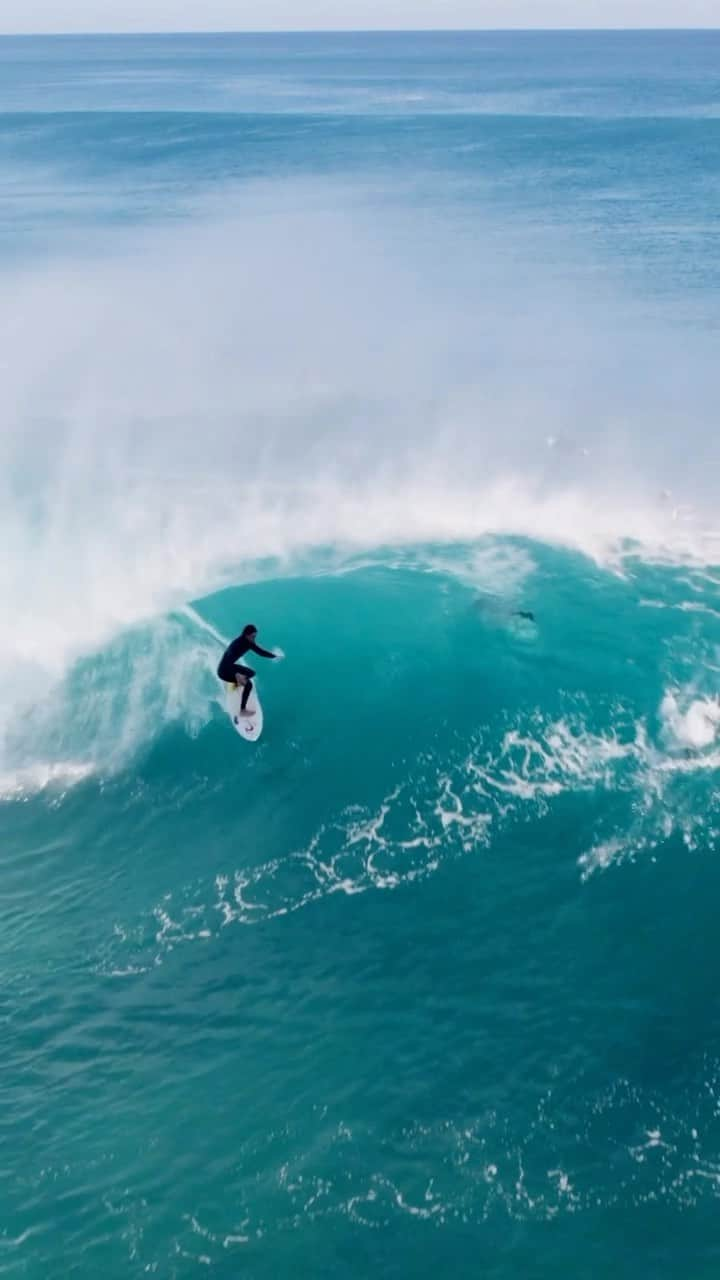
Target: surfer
(233, 672)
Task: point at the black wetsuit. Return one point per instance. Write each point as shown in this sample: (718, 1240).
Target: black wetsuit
(229, 667)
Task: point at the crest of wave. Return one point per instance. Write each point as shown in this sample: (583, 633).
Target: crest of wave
(186, 406)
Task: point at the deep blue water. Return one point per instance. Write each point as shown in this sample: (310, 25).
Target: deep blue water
(378, 342)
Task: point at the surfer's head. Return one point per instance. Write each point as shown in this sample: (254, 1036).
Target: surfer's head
(250, 630)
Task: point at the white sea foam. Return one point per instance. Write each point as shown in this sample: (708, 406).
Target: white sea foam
(55, 776)
(691, 721)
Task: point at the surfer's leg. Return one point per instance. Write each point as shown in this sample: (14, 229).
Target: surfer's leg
(247, 674)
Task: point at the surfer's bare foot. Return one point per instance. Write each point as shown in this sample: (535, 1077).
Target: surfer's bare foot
(247, 714)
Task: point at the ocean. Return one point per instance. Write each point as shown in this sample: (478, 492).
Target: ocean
(403, 347)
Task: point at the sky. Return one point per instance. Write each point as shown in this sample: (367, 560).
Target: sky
(28, 16)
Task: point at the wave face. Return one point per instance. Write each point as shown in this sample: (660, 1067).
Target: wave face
(404, 349)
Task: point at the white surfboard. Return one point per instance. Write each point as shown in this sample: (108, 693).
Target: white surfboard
(249, 727)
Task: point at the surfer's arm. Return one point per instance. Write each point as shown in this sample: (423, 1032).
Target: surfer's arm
(264, 653)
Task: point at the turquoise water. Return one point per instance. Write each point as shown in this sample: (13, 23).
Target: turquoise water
(375, 341)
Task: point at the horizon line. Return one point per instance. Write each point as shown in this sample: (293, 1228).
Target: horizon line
(351, 31)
